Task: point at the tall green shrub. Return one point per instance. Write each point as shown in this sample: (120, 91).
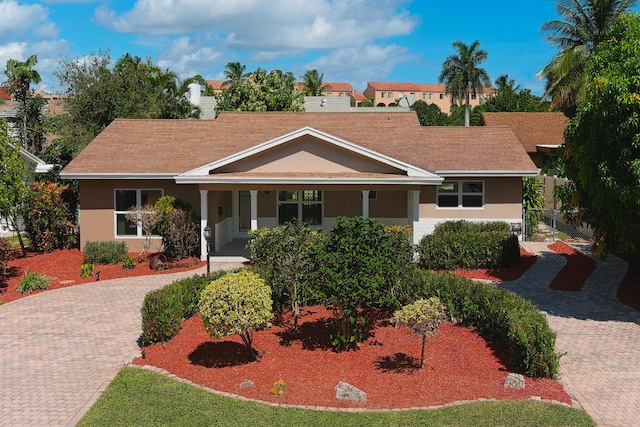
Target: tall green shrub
(361, 264)
(45, 216)
(283, 256)
(237, 303)
(178, 227)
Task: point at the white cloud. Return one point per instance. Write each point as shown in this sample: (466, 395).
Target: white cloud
(19, 20)
(267, 25)
(188, 56)
(362, 64)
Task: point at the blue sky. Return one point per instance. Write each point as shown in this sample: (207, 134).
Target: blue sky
(347, 40)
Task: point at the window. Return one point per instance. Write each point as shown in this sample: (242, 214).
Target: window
(442, 96)
(383, 94)
(424, 96)
(373, 195)
(461, 194)
(304, 205)
(125, 199)
(473, 96)
(401, 95)
(430, 96)
(389, 94)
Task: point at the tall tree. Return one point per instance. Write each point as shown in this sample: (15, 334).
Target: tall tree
(429, 114)
(13, 188)
(261, 91)
(582, 26)
(99, 91)
(313, 85)
(234, 72)
(461, 75)
(20, 76)
(601, 153)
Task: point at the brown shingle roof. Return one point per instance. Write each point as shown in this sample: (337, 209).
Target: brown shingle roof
(129, 146)
(531, 129)
(395, 86)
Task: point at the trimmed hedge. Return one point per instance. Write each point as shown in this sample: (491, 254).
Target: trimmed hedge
(164, 309)
(462, 244)
(104, 252)
(503, 318)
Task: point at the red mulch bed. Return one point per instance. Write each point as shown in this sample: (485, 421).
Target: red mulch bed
(63, 267)
(577, 270)
(527, 259)
(459, 365)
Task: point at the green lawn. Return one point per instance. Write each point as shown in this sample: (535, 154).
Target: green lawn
(138, 397)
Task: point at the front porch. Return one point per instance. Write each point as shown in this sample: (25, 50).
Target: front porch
(234, 251)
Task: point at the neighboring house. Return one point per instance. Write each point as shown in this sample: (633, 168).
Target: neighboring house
(246, 170)
(541, 134)
(392, 94)
(35, 166)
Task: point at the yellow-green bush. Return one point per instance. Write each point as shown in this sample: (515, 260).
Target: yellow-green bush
(236, 303)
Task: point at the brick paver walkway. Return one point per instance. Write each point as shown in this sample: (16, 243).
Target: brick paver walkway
(60, 349)
(600, 336)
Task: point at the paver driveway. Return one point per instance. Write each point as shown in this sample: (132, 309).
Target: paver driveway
(60, 349)
(600, 336)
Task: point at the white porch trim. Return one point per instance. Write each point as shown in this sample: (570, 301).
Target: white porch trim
(204, 220)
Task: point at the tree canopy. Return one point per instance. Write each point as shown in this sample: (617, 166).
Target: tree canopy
(508, 97)
(99, 91)
(461, 75)
(582, 26)
(601, 154)
(261, 91)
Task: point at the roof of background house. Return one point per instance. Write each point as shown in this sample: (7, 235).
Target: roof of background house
(397, 86)
(359, 96)
(531, 129)
(177, 146)
(4, 94)
(216, 84)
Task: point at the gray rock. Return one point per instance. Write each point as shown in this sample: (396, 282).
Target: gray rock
(345, 391)
(514, 381)
(247, 384)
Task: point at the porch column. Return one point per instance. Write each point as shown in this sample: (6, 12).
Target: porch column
(365, 203)
(415, 215)
(254, 209)
(204, 220)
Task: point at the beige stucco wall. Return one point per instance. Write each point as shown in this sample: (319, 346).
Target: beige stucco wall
(307, 154)
(503, 199)
(97, 202)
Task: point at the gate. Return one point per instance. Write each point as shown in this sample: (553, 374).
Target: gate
(548, 225)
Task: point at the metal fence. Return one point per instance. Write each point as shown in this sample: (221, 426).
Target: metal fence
(544, 225)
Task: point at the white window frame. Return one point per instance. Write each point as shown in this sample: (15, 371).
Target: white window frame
(139, 231)
(462, 193)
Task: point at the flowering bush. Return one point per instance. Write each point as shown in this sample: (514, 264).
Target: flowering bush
(45, 217)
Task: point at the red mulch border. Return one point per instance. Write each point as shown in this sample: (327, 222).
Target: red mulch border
(63, 268)
(459, 364)
(577, 270)
(527, 259)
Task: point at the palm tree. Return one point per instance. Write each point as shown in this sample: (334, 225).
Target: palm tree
(461, 75)
(20, 75)
(313, 83)
(584, 24)
(234, 72)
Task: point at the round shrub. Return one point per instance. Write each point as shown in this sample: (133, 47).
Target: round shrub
(237, 303)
